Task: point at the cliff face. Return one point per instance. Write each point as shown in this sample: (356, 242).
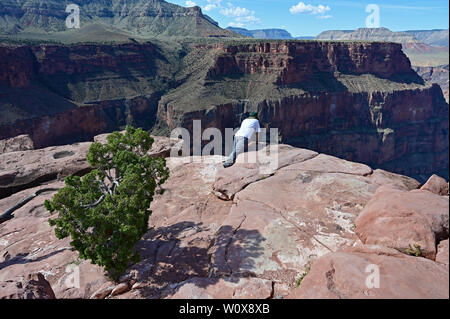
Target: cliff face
(17, 67)
(438, 75)
(60, 94)
(294, 62)
(359, 101)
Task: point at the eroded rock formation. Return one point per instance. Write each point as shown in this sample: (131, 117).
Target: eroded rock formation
(358, 101)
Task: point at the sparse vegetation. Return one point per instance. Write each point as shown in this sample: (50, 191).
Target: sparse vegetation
(302, 276)
(106, 212)
(415, 250)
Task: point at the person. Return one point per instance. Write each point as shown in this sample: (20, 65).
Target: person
(241, 138)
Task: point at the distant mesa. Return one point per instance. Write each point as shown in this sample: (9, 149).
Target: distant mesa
(263, 33)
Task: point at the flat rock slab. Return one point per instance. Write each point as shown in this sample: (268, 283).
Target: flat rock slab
(254, 166)
(280, 224)
(19, 170)
(347, 275)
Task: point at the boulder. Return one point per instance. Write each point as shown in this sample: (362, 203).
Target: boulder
(120, 289)
(353, 274)
(412, 222)
(33, 286)
(16, 144)
(436, 185)
(24, 169)
(104, 291)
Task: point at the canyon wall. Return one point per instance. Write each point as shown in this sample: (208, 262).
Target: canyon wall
(357, 100)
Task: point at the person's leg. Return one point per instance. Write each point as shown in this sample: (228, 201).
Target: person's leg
(232, 158)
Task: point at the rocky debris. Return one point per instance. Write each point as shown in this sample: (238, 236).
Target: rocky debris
(16, 144)
(120, 289)
(349, 274)
(223, 288)
(33, 286)
(104, 291)
(412, 222)
(436, 185)
(442, 252)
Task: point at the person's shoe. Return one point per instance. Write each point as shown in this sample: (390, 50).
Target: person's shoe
(226, 165)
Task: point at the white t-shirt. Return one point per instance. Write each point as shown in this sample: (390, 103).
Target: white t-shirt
(248, 127)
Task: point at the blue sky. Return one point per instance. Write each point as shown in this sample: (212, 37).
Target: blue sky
(310, 17)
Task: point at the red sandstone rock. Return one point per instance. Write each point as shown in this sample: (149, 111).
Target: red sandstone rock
(442, 252)
(345, 275)
(15, 144)
(28, 245)
(249, 169)
(436, 185)
(399, 219)
(33, 286)
(255, 246)
(19, 169)
(103, 291)
(120, 289)
(227, 288)
(23, 169)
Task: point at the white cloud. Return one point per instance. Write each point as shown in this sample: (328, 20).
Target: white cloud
(325, 17)
(236, 12)
(301, 7)
(190, 3)
(241, 16)
(209, 7)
